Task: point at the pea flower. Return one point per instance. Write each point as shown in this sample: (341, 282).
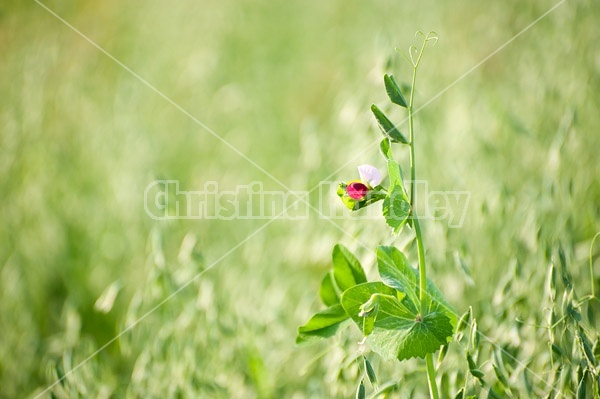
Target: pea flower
(357, 190)
(370, 175)
(357, 194)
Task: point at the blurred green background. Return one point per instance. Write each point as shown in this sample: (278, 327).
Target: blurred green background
(289, 84)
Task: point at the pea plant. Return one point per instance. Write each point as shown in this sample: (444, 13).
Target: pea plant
(404, 315)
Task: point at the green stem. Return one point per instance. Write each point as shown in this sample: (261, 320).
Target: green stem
(415, 221)
(413, 173)
(592, 265)
(431, 376)
(423, 298)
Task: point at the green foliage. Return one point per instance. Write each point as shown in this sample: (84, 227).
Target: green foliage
(386, 149)
(328, 290)
(347, 270)
(394, 92)
(388, 128)
(389, 314)
(395, 272)
(396, 207)
(398, 331)
(323, 324)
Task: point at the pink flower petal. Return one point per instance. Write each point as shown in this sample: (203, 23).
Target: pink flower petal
(370, 175)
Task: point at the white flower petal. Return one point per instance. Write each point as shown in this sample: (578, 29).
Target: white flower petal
(370, 175)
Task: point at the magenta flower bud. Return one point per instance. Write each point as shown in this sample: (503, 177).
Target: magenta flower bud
(357, 190)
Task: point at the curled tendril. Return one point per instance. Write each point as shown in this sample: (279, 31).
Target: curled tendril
(432, 36)
(414, 53)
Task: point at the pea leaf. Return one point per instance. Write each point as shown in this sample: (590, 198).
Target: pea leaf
(398, 331)
(328, 291)
(384, 146)
(396, 272)
(396, 206)
(387, 127)
(323, 324)
(354, 299)
(393, 91)
(347, 270)
(436, 302)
